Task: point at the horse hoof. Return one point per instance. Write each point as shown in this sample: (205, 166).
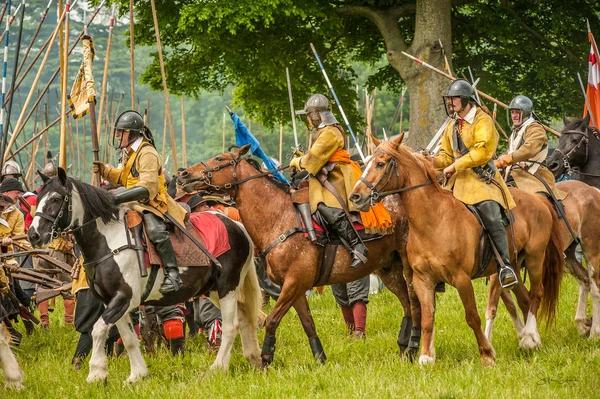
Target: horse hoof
(135, 378)
(594, 333)
(410, 355)
(426, 360)
(97, 377)
(13, 385)
(584, 326)
(488, 361)
(528, 342)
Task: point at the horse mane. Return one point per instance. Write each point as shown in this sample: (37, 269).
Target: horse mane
(279, 184)
(403, 152)
(97, 203)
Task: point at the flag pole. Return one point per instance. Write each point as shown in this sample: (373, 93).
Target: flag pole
(587, 101)
(165, 89)
(3, 133)
(105, 72)
(183, 137)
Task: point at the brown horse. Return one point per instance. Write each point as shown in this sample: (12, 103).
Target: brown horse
(443, 240)
(267, 212)
(582, 207)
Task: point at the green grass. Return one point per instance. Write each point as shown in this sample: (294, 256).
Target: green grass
(567, 366)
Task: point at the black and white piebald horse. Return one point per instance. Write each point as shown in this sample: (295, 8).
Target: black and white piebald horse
(68, 205)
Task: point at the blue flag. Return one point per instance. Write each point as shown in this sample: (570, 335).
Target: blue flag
(243, 136)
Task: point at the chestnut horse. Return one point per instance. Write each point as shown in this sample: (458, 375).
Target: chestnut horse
(443, 240)
(267, 212)
(582, 207)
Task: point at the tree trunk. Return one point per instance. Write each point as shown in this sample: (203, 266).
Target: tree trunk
(432, 23)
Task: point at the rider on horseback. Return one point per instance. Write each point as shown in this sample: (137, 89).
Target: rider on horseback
(142, 176)
(330, 171)
(468, 146)
(528, 148)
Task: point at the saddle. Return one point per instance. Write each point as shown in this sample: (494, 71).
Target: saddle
(208, 229)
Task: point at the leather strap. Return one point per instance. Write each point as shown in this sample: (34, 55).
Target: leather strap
(326, 265)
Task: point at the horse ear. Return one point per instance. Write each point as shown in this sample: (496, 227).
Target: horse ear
(43, 177)
(244, 149)
(62, 176)
(566, 120)
(586, 120)
(398, 140)
(375, 140)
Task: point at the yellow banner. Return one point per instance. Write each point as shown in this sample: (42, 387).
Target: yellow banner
(83, 91)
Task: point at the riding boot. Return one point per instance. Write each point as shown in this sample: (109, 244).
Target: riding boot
(490, 213)
(337, 219)
(304, 210)
(158, 234)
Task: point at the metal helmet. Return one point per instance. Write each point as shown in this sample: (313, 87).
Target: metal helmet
(460, 88)
(50, 169)
(11, 168)
(523, 104)
(129, 120)
(318, 105)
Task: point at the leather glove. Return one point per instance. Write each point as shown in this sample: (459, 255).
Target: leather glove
(504, 161)
(298, 153)
(98, 167)
(295, 163)
(6, 241)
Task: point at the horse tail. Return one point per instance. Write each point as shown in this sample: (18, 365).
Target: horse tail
(250, 297)
(554, 266)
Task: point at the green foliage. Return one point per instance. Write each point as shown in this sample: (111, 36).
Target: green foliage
(563, 368)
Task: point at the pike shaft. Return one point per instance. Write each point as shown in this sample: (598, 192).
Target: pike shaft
(289, 85)
(337, 101)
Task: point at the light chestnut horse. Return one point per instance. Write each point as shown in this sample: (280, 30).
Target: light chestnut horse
(582, 207)
(443, 241)
(13, 375)
(267, 212)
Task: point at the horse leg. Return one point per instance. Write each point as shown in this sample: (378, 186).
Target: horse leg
(593, 267)
(115, 309)
(289, 293)
(132, 344)
(13, 375)
(496, 292)
(464, 286)
(250, 346)
(301, 306)
(575, 268)
(228, 305)
(530, 339)
(424, 289)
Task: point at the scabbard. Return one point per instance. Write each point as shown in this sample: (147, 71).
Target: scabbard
(139, 249)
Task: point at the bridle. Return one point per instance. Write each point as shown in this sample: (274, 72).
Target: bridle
(376, 195)
(583, 141)
(206, 175)
(63, 217)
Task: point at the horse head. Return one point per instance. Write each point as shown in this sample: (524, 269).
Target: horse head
(53, 211)
(572, 147)
(381, 173)
(217, 174)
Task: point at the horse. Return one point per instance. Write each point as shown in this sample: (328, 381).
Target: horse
(582, 207)
(267, 212)
(13, 375)
(578, 152)
(69, 205)
(443, 240)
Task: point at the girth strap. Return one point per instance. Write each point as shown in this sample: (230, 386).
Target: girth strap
(284, 236)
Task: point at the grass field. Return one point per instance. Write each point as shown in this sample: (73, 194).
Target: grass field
(567, 366)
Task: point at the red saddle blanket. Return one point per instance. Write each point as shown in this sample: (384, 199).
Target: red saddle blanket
(208, 229)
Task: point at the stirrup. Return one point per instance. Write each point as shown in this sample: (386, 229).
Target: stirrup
(170, 284)
(507, 277)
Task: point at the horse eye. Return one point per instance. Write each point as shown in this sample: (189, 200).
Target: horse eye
(218, 159)
(380, 164)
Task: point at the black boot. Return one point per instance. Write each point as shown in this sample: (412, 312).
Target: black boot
(491, 215)
(158, 234)
(337, 219)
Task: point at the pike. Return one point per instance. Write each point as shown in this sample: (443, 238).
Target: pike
(20, 124)
(289, 87)
(62, 159)
(111, 24)
(10, 20)
(60, 264)
(337, 101)
(484, 95)
(3, 134)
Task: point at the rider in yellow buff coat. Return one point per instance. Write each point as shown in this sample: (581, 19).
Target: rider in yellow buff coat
(142, 176)
(468, 146)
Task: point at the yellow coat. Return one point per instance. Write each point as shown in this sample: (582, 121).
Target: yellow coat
(534, 139)
(13, 224)
(144, 169)
(481, 138)
(329, 140)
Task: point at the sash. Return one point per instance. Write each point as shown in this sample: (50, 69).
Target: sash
(516, 141)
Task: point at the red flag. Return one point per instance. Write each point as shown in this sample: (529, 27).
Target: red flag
(593, 87)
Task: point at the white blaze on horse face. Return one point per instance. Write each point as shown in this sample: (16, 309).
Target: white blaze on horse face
(41, 208)
(364, 175)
